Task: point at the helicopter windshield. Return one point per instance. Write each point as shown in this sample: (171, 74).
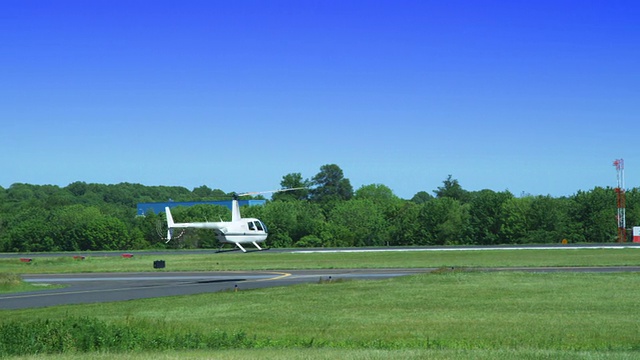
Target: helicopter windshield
(256, 225)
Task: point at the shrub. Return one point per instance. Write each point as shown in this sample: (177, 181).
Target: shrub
(84, 334)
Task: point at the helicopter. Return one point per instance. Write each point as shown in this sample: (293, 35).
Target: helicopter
(238, 232)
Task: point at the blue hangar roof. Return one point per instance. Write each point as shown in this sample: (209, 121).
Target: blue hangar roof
(158, 207)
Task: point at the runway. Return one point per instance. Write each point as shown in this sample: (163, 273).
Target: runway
(108, 287)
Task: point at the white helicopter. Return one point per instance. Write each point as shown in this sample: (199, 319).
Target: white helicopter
(238, 231)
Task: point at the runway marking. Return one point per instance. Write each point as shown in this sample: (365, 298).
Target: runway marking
(90, 291)
(137, 278)
(71, 292)
(281, 275)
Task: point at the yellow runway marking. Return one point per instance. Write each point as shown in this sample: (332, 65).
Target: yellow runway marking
(281, 275)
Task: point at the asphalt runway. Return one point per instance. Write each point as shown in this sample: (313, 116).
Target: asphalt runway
(107, 287)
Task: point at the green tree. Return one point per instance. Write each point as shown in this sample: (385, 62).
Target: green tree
(538, 220)
(421, 197)
(595, 213)
(3, 220)
(280, 218)
(29, 229)
(288, 221)
(60, 198)
(309, 220)
(331, 185)
(20, 193)
(203, 192)
(452, 189)
(361, 222)
(548, 220)
(632, 209)
(486, 216)
(292, 181)
(404, 227)
(77, 188)
(136, 240)
(70, 226)
(444, 221)
(380, 194)
(105, 233)
(97, 216)
(516, 223)
(151, 230)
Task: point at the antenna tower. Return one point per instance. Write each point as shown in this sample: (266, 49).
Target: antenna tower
(622, 223)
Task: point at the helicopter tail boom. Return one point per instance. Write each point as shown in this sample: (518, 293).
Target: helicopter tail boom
(170, 223)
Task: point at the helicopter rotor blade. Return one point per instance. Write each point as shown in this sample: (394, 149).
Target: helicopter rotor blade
(269, 192)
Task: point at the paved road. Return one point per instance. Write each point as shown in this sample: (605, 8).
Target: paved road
(107, 287)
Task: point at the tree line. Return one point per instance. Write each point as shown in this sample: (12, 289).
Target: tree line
(327, 212)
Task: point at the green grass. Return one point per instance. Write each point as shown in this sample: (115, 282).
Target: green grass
(13, 283)
(442, 315)
(347, 354)
(289, 261)
(448, 314)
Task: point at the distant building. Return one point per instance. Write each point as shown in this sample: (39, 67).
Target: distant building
(158, 207)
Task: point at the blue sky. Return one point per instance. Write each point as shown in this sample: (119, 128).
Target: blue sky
(532, 97)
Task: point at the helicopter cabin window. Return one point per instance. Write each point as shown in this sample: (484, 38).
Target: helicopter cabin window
(259, 225)
(251, 226)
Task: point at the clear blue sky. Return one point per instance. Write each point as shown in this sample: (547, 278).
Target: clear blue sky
(537, 97)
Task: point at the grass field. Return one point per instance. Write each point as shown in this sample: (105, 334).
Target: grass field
(13, 283)
(442, 315)
(332, 354)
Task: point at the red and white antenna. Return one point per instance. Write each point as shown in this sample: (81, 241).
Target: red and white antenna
(622, 223)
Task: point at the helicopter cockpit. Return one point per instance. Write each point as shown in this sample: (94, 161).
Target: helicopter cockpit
(258, 225)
